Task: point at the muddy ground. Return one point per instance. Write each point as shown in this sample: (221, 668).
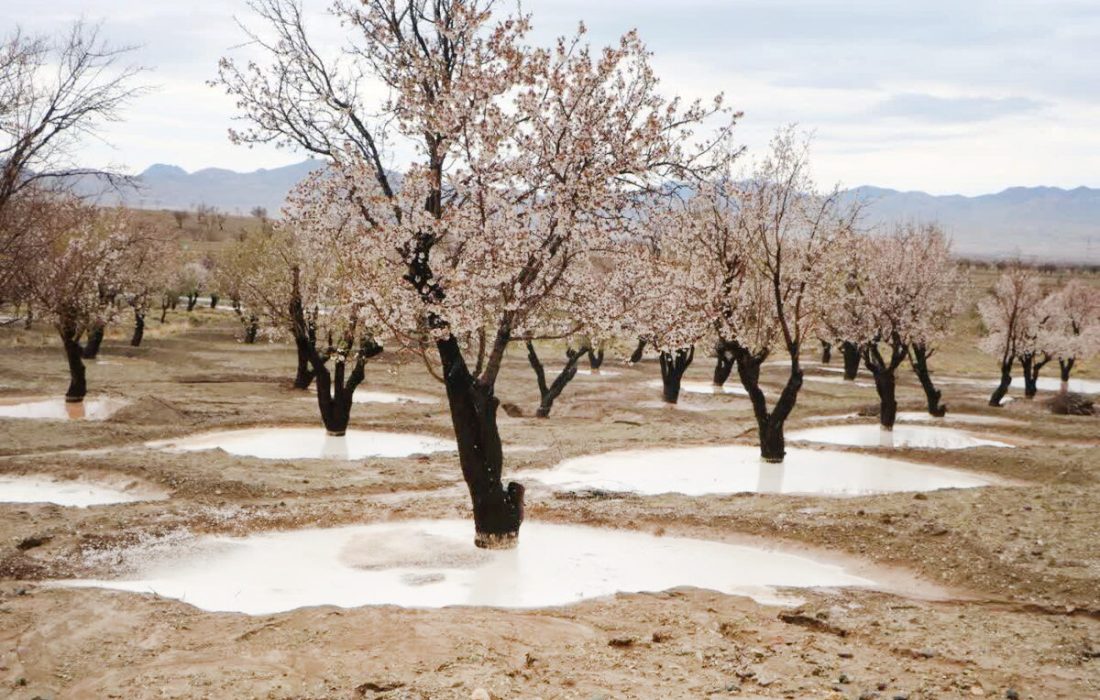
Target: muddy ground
(1013, 572)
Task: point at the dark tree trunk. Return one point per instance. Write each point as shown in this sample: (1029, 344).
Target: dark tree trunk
(884, 371)
(851, 360)
(595, 359)
(498, 511)
(74, 353)
(548, 393)
(673, 366)
(1002, 388)
(192, 299)
(336, 388)
(918, 358)
(304, 376)
(826, 352)
(214, 301)
(1032, 364)
(1065, 367)
(723, 366)
(175, 303)
(139, 329)
(636, 356)
(769, 424)
(237, 306)
(251, 329)
(95, 340)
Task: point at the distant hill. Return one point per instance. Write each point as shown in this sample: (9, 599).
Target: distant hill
(1035, 223)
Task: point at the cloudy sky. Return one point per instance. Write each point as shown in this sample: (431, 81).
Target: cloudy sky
(959, 96)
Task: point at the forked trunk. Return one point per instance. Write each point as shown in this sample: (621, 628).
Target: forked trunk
(884, 370)
(549, 392)
(636, 356)
(1032, 364)
(723, 365)
(95, 340)
(918, 358)
(78, 385)
(139, 329)
(769, 424)
(826, 352)
(192, 299)
(673, 366)
(214, 301)
(1002, 388)
(851, 360)
(336, 388)
(498, 511)
(595, 359)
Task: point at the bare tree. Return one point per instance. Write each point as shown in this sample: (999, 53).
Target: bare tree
(180, 217)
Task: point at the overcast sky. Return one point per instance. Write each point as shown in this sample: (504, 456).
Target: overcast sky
(959, 96)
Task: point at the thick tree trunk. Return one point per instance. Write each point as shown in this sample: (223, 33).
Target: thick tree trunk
(851, 360)
(304, 376)
(1002, 388)
(548, 393)
(214, 301)
(95, 340)
(723, 365)
(1032, 364)
(595, 359)
(498, 511)
(636, 356)
(884, 370)
(826, 352)
(192, 299)
(919, 361)
(673, 366)
(139, 329)
(336, 388)
(769, 424)
(78, 385)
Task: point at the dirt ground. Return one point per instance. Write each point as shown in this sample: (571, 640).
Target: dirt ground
(997, 595)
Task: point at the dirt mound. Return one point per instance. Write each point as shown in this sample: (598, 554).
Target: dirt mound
(150, 410)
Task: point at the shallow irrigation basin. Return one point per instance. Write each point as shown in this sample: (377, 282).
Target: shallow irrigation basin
(73, 492)
(919, 417)
(391, 398)
(692, 387)
(59, 409)
(698, 471)
(433, 563)
(308, 443)
(916, 436)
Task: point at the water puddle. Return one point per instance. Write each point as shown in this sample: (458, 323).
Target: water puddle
(729, 388)
(598, 373)
(918, 436)
(388, 398)
(922, 417)
(308, 443)
(697, 471)
(432, 564)
(838, 380)
(59, 409)
(73, 492)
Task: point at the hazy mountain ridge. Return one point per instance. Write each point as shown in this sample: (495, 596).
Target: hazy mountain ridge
(1039, 223)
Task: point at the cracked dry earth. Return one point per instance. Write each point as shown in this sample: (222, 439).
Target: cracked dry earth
(994, 592)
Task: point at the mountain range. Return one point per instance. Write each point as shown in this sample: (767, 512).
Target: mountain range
(1033, 223)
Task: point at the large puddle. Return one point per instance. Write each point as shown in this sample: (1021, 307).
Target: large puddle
(308, 443)
(390, 398)
(917, 436)
(923, 417)
(693, 387)
(59, 409)
(71, 492)
(697, 471)
(432, 564)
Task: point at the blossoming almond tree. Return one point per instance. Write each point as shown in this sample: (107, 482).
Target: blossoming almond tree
(1006, 314)
(81, 268)
(526, 159)
(1075, 325)
(792, 238)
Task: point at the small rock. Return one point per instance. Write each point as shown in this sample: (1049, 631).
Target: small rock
(920, 497)
(844, 679)
(480, 694)
(620, 642)
(1011, 694)
(977, 691)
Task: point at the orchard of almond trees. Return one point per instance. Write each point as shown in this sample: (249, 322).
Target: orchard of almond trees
(541, 383)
